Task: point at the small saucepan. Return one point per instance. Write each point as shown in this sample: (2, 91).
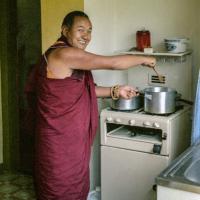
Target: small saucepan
(134, 103)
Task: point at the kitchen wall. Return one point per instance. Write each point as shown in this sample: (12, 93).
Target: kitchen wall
(163, 18)
(102, 15)
(197, 42)
(115, 23)
(52, 14)
(196, 45)
(198, 25)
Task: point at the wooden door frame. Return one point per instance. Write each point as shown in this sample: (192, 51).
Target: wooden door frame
(9, 92)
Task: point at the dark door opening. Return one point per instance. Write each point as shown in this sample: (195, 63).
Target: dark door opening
(28, 52)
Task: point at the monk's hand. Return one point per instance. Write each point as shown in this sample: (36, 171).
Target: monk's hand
(149, 62)
(127, 92)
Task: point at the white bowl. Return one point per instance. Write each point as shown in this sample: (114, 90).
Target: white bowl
(176, 45)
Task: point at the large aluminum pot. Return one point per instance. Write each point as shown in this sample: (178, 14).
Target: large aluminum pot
(160, 100)
(128, 104)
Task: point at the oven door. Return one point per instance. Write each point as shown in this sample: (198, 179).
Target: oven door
(128, 175)
(143, 139)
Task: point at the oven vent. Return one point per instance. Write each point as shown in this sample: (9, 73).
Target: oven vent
(155, 79)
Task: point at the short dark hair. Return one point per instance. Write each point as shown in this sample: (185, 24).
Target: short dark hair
(69, 18)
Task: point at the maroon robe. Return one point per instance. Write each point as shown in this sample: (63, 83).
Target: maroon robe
(66, 122)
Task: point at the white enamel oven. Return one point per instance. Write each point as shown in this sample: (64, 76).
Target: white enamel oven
(136, 147)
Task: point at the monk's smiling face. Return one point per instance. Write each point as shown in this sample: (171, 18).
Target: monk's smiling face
(79, 34)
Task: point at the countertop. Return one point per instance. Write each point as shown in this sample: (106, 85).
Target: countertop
(183, 172)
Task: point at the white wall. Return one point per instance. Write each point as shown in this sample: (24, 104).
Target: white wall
(197, 46)
(171, 18)
(115, 23)
(101, 14)
(198, 26)
(196, 43)
(164, 18)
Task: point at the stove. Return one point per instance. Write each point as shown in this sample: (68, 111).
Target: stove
(136, 146)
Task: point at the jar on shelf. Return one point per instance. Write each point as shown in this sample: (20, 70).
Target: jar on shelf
(143, 39)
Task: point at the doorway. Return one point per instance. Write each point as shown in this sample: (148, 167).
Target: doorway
(28, 53)
(20, 48)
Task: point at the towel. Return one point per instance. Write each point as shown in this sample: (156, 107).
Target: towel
(195, 137)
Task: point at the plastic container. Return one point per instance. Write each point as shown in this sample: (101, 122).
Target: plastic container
(95, 194)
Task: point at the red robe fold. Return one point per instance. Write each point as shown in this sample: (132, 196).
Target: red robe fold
(66, 122)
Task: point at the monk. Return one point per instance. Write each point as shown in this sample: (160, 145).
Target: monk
(65, 106)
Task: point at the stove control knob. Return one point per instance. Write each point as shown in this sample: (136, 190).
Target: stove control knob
(131, 122)
(109, 119)
(156, 125)
(147, 123)
(118, 120)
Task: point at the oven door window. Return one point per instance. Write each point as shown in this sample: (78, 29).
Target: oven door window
(134, 132)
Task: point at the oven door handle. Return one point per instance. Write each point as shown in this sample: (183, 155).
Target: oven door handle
(157, 148)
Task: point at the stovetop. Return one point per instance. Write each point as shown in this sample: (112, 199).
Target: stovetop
(141, 111)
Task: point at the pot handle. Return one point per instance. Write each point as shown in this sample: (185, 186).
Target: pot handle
(140, 93)
(187, 101)
(178, 96)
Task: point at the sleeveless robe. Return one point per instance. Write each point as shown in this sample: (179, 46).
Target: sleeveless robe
(66, 122)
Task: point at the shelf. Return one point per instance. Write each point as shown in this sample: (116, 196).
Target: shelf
(162, 56)
(160, 53)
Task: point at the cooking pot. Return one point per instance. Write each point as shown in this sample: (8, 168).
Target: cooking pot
(160, 100)
(135, 102)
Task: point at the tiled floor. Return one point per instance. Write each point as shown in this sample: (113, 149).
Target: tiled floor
(16, 186)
